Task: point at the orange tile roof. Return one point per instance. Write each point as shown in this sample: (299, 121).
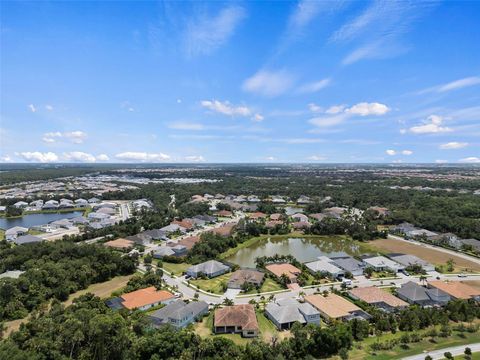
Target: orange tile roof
(237, 315)
(257, 215)
(456, 289)
(333, 305)
(147, 296)
(372, 295)
(224, 213)
(120, 243)
(224, 230)
(287, 269)
(184, 223)
(188, 242)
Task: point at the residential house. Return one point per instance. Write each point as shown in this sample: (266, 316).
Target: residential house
(210, 268)
(20, 204)
(155, 234)
(257, 215)
(318, 216)
(179, 313)
(278, 200)
(253, 199)
(237, 319)
(325, 266)
(206, 218)
(272, 223)
(403, 228)
(381, 211)
(140, 239)
(81, 203)
(349, 264)
(188, 225)
(245, 276)
(415, 294)
(276, 217)
(26, 239)
(408, 260)
(12, 233)
(381, 263)
(284, 269)
(474, 244)
(301, 225)
(173, 228)
(225, 213)
(93, 200)
(284, 313)
(303, 200)
(335, 307)
(456, 289)
(300, 217)
(377, 297)
(62, 223)
(225, 230)
(447, 239)
(187, 242)
(142, 299)
(419, 233)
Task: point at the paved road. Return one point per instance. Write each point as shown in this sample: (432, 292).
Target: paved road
(438, 354)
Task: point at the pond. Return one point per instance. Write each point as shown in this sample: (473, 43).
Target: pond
(303, 249)
(30, 220)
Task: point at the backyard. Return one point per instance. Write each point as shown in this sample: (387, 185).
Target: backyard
(175, 269)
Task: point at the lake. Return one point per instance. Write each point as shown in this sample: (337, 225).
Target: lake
(30, 220)
(303, 249)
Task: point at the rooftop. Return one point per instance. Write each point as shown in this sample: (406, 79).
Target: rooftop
(147, 296)
(456, 289)
(333, 305)
(237, 315)
(372, 295)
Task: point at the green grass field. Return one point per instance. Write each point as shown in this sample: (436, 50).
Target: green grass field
(175, 269)
(214, 285)
(2, 234)
(362, 351)
(268, 285)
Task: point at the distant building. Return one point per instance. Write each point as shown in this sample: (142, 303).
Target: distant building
(381, 263)
(27, 239)
(12, 233)
(325, 266)
(237, 319)
(349, 264)
(408, 260)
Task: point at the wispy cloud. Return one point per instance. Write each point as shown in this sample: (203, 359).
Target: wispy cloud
(204, 34)
(186, 126)
(453, 145)
(314, 86)
(76, 137)
(378, 29)
(337, 114)
(269, 83)
(470, 160)
(453, 85)
(142, 156)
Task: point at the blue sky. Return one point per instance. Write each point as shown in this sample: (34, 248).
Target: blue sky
(346, 81)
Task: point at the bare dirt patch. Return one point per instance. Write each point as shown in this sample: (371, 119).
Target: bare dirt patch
(433, 256)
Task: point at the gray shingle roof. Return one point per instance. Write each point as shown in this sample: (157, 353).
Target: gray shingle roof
(208, 267)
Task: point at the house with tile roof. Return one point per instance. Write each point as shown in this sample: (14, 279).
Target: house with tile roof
(245, 276)
(335, 307)
(236, 319)
(141, 299)
(456, 289)
(289, 270)
(378, 297)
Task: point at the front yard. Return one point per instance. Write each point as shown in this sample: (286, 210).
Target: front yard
(175, 269)
(216, 285)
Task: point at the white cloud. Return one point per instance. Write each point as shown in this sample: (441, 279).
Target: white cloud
(395, 152)
(327, 121)
(407, 152)
(142, 156)
(391, 152)
(195, 158)
(337, 114)
(441, 161)
(127, 106)
(204, 35)
(226, 108)
(103, 157)
(32, 108)
(430, 126)
(79, 156)
(314, 86)
(335, 109)
(314, 107)
(316, 158)
(459, 84)
(269, 83)
(471, 160)
(258, 117)
(453, 145)
(270, 158)
(5, 159)
(186, 126)
(76, 137)
(49, 107)
(364, 109)
(37, 156)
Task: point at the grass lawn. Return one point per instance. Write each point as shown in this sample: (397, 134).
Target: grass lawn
(362, 350)
(2, 234)
(268, 285)
(212, 285)
(103, 290)
(175, 269)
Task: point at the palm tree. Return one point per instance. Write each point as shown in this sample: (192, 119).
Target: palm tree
(423, 279)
